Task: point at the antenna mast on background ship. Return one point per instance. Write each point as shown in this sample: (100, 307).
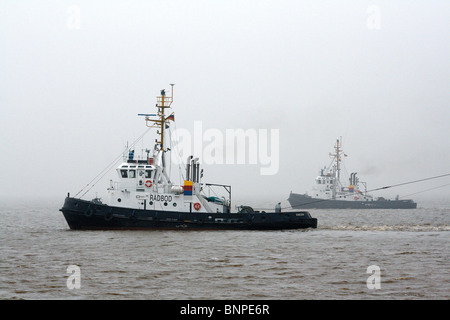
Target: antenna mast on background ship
(337, 157)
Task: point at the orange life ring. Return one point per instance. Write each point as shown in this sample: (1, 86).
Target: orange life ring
(148, 183)
(197, 206)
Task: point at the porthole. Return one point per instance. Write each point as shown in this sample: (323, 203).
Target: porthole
(119, 200)
(174, 204)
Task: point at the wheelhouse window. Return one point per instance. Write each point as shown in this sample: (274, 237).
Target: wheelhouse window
(124, 173)
(148, 174)
(132, 174)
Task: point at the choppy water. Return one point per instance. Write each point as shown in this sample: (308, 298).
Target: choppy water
(411, 247)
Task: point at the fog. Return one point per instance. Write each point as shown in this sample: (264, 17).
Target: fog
(75, 74)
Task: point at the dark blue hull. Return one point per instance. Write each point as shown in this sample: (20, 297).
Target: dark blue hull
(88, 215)
(303, 201)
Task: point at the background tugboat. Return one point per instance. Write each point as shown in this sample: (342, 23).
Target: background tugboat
(144, 197)
(329, 193)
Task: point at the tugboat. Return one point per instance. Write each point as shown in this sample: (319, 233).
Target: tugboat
(144, 197)
(329, 193)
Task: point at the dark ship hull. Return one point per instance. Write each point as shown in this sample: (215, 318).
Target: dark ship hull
(303, 201)
(89, 215)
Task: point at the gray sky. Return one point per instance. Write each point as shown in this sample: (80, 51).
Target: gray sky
(74, 75)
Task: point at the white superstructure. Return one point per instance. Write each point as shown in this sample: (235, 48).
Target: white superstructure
(328, 184)
(145, 184)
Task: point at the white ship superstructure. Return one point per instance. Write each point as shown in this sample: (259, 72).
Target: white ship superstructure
(328, 183)
(145, 183)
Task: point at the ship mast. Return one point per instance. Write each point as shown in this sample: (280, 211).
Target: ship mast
(163, 102)
(338, 159)
(337, 175)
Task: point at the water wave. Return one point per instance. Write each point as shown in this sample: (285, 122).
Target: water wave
(410, 228)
